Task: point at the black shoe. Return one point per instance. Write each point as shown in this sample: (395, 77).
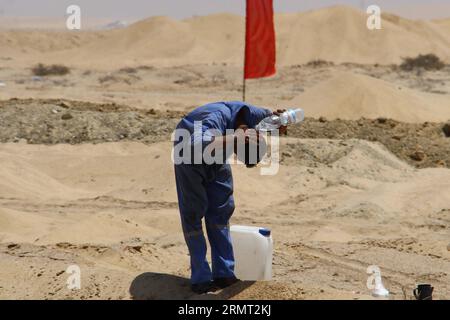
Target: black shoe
(205, 287)
(225, 282)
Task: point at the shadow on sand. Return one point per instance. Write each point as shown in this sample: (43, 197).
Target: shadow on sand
(160, 286)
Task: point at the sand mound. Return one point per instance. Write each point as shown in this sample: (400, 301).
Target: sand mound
(22, 179)
(166, 41)
(352, 96)
(372, 180)
(340, 34)
(364, 160)
(58, 171)
(60, 179)
(158, 37)
(30, 43)
(337, 34)
(444, 23)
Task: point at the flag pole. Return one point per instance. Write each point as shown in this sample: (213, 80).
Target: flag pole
(245, 54)
(243, 89)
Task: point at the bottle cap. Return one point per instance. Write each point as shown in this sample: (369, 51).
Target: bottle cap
(299, 115)
(265, 232)
(296, 115)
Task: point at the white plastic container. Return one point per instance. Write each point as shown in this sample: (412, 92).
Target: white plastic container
(253, 251)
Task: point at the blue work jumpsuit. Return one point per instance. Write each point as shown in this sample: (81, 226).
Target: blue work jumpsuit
(207, 191)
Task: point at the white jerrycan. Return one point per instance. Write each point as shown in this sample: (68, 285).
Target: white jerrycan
(253, 251)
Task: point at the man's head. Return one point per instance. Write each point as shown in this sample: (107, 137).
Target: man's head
(250, 147)
(241, 122)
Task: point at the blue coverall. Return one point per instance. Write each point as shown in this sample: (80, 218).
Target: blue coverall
(207, 191)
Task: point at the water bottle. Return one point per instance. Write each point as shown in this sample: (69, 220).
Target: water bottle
(273, 122)
(380, 291)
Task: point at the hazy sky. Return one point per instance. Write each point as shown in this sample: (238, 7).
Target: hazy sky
(123, 9)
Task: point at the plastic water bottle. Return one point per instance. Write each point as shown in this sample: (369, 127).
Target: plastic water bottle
(380, 291)
(274, 122)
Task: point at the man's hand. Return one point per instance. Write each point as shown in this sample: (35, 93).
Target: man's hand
(282, 129)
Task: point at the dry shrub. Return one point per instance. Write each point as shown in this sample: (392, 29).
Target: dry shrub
(319, 63)
(427, 62)
(128, 70)
(50, 70)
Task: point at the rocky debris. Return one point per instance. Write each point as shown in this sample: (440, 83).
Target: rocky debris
(446, 129)
(418, 155)
(287, 154)
(382, 120)
(34, 121)
(402, 139)
(66, 116)
(49, 122)
(64, 105)
(441, 163)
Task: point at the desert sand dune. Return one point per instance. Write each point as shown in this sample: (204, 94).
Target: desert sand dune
(351, 96)
(25, 44)
(443, 23)
(337, 34)
(154, 38)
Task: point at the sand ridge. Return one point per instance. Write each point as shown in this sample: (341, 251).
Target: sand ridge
(337, 34)
(351, 96)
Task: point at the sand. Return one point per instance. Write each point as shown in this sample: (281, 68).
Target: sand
(350, 96)
(96, 188)
(104, 208)
(337, 34)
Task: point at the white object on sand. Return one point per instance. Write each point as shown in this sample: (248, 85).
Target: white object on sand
(380, 291)
(2, 84)
(253, 250)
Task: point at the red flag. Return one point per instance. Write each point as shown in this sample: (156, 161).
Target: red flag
(259, 40)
